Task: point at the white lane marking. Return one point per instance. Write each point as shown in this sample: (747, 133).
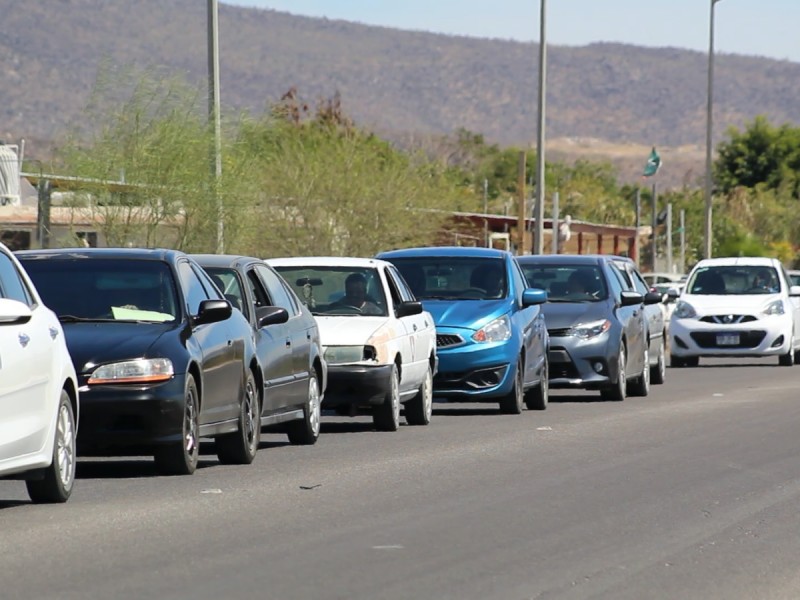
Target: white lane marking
(212, 491)
(544, 429)
(389, 547)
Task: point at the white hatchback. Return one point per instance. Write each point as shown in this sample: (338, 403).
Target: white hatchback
(736, 307)
(38, 390)
(378, 342)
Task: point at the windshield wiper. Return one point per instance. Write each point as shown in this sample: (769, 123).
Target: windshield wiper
(74, 319)
(436, 298)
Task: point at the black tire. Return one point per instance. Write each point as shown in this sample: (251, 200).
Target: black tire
(240, 447)
(180, 458)
(511, 403)
(641, 385)
(658, 373)
(59, 477)
(787, 360)
(620, 388)
(676, 362)
(386, 416)
(420, 408)
(691, 361)
(305, 431)
(538, 397)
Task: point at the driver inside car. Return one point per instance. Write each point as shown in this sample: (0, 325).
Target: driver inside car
(355, 295)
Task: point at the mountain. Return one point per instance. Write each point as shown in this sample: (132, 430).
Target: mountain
(396, 82)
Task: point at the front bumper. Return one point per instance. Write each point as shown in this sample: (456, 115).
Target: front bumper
(769, 336)
(471, 371)
(127, 416)
(580, 363)
(357, 384)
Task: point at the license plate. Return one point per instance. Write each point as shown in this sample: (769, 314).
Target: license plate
(728, 339)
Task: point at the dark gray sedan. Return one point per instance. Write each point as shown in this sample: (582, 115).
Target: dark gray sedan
(598, 333)
(287, 340)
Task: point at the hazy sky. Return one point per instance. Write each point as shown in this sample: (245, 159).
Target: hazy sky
(759, 27)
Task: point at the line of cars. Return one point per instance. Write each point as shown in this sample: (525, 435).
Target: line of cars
(159, 349)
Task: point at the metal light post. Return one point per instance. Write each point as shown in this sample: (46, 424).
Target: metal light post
(213, 116)
(709, 110)
(539, 205)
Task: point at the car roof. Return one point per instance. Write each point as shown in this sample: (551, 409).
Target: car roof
(111, 253)
(750, 261)
(326, 261)
(225, 260)
(444, 251)
(563, 259)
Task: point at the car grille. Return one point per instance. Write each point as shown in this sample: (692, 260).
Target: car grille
(561, 365)
(563, 332)
(747, 339)
(728, 319)
(443, 340)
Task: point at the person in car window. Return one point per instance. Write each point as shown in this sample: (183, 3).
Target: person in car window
(355, 295)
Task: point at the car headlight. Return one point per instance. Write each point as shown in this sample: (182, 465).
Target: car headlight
(775, 307)
(498, 330)
(339, 355)
(589, 330)
(684, 310)
(143, 370)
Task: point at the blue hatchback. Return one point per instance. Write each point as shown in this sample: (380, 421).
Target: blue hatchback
(491, 338)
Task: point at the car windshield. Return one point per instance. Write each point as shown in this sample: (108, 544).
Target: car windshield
(454, 278)
(329, 291)
(567, 283)
(105, 289)
(734, 280)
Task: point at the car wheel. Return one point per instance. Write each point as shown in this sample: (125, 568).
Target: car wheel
(386, 416)
(538, 397)
(618, 390)
(676, 362)
(180, 458)
(240, 447)
(641, 385)
(59, 477)
(420, 408)
(787, 360)
(511, 403)
(658, 373)
(305, 431)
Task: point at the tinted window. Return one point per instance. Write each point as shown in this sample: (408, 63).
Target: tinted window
(280, 295)
(192, 287)
(12, 285)
(454, 278)
(567, 282)
(120, 289)
(406, 295)
(227, 280)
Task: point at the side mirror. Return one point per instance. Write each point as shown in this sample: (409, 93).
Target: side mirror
(213, 311)
(406, 309)
(13, 312)
(630, 298)
(794, 290)
(653, 298)
(271, 315)
(533, 296)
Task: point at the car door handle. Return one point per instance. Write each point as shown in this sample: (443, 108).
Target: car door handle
(415, 327)
(308, 336)
(24, 339)
(288, 342)
(53, 332)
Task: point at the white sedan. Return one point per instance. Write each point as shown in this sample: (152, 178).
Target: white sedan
(38, 390)
(736, 307)
(378, 342)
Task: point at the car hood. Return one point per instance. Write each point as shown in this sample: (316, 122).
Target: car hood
(729, 304)
(470, 314)
(348, 331)
(91, 344)
(561, 315)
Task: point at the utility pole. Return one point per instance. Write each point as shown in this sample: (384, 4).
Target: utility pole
(669, 237)
(708, 231)
(655, 226)
(555, 222)
(638, 201)
(683, 241)
(485, 212)
(214, 117)
(539, 204)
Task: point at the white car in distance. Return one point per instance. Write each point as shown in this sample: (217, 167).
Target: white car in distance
(38, 390)
(742, 306)
(378, 342)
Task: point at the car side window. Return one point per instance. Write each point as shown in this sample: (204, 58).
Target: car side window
(639, 284)
(393, 290)
(520, 283)
(394, 277)
(274, 284)
(192, 287)
(615, 280)
(12, 286)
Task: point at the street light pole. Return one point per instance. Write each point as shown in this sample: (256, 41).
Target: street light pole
(539, 204)
(709, 120)
(214, 117)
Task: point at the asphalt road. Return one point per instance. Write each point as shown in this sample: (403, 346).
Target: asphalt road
(692, 492)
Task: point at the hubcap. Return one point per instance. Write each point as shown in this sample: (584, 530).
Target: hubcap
(251, 414)
(313, 406)
(190, 426)
(427, 395)
(622, 379)
(65, 447)
(395, 398)
(646, 368)
(546, 382)
(520, 384)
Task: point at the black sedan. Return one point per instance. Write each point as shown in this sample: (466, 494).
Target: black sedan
(161, 357)
(287, 342)
(598, 333)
